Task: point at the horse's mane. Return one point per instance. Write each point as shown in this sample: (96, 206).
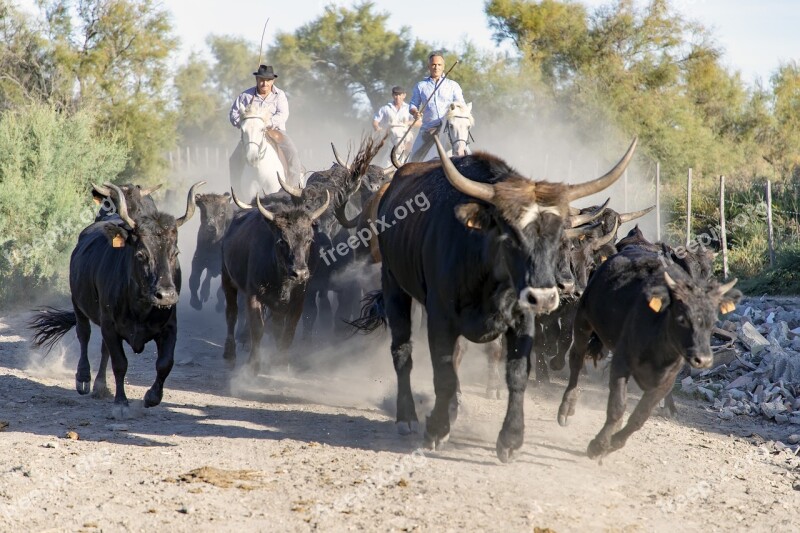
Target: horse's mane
(459, 109)
(252, 110)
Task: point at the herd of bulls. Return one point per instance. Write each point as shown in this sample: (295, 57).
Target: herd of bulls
(493, 258)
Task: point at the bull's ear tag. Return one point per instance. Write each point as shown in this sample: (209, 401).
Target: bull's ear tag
(96, 200)
(603, 258)
(655, 304)
(473, 223)
(727, 307)
(117, 241)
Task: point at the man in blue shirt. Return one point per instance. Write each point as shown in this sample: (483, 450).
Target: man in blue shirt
(448, 92)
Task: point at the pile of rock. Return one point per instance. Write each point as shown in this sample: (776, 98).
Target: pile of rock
(757, 364)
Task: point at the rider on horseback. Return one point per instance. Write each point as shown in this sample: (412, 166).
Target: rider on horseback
(273, 100)
(448, 92)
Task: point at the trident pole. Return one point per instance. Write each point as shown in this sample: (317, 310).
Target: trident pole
(425, 103)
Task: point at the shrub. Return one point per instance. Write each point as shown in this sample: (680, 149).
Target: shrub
(47, 162)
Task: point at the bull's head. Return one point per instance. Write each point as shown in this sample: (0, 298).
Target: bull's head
(151, 242)
(524, 221)
(215, 213)
(293, 232)
(689, 308)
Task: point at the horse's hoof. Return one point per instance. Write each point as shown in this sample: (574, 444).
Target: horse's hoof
(433, 444)
(407, 428)
(82, 387)
(504, 453)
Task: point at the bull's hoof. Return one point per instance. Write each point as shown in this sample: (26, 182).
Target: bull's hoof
(565, 410)
(195, 302)
(82, 386)
(121, 411)
(597, 449)
(230, 352)
(101, 392)
(407, 428)
(558, 362)
(434, 443)
(153, 397)
(504, 453)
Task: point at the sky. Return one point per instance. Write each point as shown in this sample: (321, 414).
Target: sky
(756, 34)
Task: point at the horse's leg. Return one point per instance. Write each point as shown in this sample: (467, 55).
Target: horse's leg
(236, 168)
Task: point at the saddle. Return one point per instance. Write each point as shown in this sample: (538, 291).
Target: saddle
(275, 138)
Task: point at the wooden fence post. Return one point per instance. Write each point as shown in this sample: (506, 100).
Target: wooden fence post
(689, 207)
(658, 201)
(722, 236)
(769, 225)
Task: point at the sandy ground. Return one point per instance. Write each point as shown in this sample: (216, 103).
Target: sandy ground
(315, 448)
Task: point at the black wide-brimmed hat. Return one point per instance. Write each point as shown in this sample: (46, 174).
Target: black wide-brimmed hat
(265, 71)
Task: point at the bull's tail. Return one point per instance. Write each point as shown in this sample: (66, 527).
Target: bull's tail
(373, 313)
(50, 324)
(595, 350)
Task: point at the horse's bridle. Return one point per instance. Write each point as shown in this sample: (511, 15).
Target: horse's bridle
(450, 133)
(262, 146)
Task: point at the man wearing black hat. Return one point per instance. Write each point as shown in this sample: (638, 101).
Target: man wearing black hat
(395, 118)
(273, 100)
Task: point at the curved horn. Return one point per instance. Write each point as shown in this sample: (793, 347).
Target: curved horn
(574, 233)
(318, 213)
(263, 210)
(670, 282)
(722, 289)
(122, 207)
(578, 220)
(574, 211)
(338, 159)
(341, 217)
(101, 190)
(590, 187)
(627, 217)
(395, 161)
(297, 192)
(151, 190)
(607, 238)
(388, 170)
(481, 191)
(190, 204)
(238, 202)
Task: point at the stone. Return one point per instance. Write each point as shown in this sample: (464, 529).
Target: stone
(726, 414)
(708, 394)
(751, 338)
(794, 438)
(742, 382)
(687, 384)
(781, 418)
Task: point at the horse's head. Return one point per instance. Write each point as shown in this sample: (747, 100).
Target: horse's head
(459, 120)
(253, 125)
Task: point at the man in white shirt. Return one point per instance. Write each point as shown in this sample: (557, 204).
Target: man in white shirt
(394, 118)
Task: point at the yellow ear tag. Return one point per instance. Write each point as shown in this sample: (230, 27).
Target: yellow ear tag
(117, 241)
(603, 258)
(727, 307)
(96, 200)
(471, 223)
(655, 304)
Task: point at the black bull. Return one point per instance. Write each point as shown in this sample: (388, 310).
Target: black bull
(125, 277)
(482, 260)
(661, 317)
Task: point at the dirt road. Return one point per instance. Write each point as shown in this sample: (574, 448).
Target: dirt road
(316, 449)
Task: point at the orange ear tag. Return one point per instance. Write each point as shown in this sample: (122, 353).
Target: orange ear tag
(117, 241)
(655, 304)
(727, 307)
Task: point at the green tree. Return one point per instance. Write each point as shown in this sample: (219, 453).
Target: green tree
(116, 52)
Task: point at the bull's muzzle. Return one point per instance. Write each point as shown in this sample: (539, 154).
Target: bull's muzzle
(540, 301)
(567, 288)
(700, 359)
(165, 297)
(299, 275)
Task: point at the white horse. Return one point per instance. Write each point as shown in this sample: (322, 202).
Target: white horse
(454, 133)
(393, 135)
(262, 161)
